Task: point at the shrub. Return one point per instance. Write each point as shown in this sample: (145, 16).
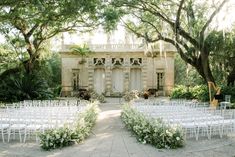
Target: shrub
(180, 92)
(199, 92)
(21, 86)
(152, 131)
(134, 94)
(65, 136)
(96, 96)
(228, 90)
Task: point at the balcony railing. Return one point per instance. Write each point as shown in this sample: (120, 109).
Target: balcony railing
(122, 47)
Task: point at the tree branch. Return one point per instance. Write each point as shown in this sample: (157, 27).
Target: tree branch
(29, 44)
(178, 29)
(148, 22)
(145, 36)
(177, 22)
(180, 51)
(211, 18)
(32, 30)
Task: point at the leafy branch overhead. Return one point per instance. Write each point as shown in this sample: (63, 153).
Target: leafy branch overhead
(182, 23)
(34, 22)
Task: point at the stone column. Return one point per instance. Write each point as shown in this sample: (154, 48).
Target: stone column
(90, 74)
(108, 76)
(126, 74)
(144, 73)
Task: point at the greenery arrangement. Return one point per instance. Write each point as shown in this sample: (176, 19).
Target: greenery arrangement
(56, 138)
(152, 131)
(134, 94)
(65, 136)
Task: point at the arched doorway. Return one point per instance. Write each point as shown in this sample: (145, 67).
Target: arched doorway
(135, 79)
(99, 80)
(117, 80)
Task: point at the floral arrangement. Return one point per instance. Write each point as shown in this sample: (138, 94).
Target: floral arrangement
(134, 94)
(65, 136)
(56, 138)
(152, 131)
(2, 105)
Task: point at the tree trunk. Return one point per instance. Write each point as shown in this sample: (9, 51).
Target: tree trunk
(206, 68)
(203, 68)
(28, 65)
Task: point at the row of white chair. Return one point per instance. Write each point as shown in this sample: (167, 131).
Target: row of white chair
(195, 119)
(32, 117)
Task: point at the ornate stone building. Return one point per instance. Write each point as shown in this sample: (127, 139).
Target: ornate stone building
(114, 69)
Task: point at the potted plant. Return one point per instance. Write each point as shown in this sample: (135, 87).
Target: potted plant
(146, 95)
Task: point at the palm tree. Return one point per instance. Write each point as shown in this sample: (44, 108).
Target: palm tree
(83, 50)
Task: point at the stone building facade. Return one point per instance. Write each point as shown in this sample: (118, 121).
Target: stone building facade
(114, 69)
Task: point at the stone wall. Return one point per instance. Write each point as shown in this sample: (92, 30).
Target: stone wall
(128, 60)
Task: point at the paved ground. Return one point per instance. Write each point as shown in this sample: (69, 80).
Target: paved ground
(111, 139)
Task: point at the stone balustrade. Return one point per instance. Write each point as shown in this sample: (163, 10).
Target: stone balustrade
(122, 47)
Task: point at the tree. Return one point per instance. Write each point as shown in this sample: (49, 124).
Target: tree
(183, 23)
(222, 47)
(33, 22)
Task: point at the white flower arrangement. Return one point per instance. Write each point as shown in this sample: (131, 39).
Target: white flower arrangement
(65, 136)
(152, 131)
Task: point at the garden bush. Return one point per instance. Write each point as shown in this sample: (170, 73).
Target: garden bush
(152, 131)
(65, 136)
(228, 90)
(22, 86)
(178, 92)
(199, 92)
